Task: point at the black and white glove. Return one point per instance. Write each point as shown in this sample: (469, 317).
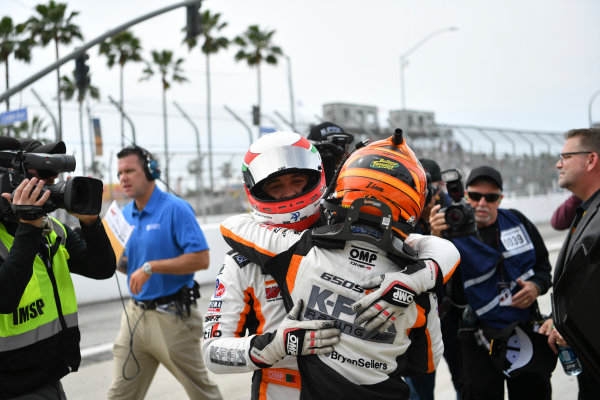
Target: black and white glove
(293, 338)
(396, 291)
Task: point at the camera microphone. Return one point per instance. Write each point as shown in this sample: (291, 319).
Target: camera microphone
(9, 143)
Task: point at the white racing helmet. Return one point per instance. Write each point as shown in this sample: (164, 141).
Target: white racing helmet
(276, 154)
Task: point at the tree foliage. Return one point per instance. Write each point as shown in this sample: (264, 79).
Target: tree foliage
(256, 47)
(167, 67)
(121, 49)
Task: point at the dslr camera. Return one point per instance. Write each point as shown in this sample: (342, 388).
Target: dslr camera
(332, 150)
(79, 195)
(459, 215)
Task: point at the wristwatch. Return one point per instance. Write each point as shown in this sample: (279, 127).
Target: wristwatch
(147, 268)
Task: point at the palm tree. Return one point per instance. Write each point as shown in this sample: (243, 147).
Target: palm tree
(69, 88)
(52, 24)
(121, 48)
(169, 69)
(255, 47)
(211, 24)
(11, 43)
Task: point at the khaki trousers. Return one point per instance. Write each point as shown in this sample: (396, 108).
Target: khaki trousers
(165, 339)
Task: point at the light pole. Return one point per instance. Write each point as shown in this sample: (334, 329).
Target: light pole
(404, 56)
(590, 106)
(292, 110)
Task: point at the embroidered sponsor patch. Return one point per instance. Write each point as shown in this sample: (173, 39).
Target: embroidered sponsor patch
(219, 288)
(212, 331)
(272, 291)
(212, 318)
(225, 356)
(361, 257)
(239, 259)
(215, 305)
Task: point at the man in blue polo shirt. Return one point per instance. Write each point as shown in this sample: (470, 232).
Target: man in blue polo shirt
(161, 323)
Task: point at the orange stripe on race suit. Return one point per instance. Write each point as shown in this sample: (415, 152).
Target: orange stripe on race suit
(249, 293)
(292, 272)
(449, 275)
(282, 376)
(430, 366)
(420, 321)
(227, 233)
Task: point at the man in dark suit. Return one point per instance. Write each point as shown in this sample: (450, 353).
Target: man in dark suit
(579, 167)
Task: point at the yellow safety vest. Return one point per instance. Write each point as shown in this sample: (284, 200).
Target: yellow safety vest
(38, 315)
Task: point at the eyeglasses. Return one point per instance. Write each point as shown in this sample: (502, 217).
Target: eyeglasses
(566, 156)
(489, 197)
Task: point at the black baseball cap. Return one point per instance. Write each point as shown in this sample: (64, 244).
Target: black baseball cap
(485, 171)
(326, 129)
(432, 168)
(516, 348)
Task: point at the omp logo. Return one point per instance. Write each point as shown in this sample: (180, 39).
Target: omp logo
(402, 296)
(362, 256)
(292, 343)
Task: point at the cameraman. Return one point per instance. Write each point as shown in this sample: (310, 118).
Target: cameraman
(39, 336)
(333, 143)
(504, 268)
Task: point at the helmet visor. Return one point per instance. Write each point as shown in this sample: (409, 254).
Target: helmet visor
(276, 161)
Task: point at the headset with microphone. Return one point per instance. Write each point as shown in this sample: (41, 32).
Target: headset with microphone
(150, 166)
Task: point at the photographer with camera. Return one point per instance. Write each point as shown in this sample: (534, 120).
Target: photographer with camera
(333, 143)
(504, 268)
(39, 336)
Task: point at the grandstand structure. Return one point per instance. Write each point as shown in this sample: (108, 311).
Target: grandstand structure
(525, 158)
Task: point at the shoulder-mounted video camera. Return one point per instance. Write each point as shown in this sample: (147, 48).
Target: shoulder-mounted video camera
(79, 195)
(459, 215)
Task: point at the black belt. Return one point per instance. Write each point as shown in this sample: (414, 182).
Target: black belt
(152, 304)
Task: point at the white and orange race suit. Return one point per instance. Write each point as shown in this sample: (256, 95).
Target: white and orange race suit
(327, 277)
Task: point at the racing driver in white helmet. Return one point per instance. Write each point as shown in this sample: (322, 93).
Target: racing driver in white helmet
(246, 326)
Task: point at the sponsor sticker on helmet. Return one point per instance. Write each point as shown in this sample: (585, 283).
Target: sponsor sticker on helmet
(384, 163)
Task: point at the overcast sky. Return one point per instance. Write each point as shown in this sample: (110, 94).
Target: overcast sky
(525, 64)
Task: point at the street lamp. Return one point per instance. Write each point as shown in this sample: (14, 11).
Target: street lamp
(292, 110)
(403, 57)
(590, 106)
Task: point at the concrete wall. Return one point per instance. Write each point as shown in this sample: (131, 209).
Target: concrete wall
(537, 208)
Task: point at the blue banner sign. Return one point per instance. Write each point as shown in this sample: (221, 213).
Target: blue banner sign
(10, 117)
